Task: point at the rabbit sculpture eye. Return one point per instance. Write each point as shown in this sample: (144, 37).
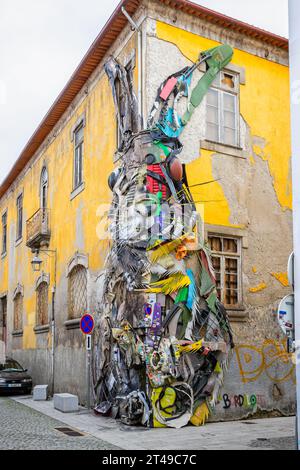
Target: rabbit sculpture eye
(164, 337)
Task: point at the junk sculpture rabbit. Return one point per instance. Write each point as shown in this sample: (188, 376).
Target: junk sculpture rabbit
(164, 336)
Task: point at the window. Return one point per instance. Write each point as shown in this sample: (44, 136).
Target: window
(4, 233)
(78, 156)
(19, 217)
(222, 122)
(18, 312)
(42, 304)
(226, 258)
(77, 295)
(44, 188)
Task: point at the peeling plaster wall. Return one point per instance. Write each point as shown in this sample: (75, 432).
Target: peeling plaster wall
(251, 198)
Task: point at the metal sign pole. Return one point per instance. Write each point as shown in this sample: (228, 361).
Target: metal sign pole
(88, 350)
(294, 22)
(87, 325)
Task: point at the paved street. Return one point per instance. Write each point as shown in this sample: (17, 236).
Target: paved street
(23, 428)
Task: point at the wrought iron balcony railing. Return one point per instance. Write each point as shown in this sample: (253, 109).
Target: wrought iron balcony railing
(38, 229)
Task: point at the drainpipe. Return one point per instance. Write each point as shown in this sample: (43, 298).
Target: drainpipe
(53, 340)
(294, 51)
(137, 28)
(53, 290)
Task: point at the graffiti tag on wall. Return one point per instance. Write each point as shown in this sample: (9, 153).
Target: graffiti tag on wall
(272, 359)
(243, 401)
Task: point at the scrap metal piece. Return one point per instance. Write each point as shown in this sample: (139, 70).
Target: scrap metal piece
(124, 99)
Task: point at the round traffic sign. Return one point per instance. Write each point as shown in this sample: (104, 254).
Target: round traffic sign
(87, 324)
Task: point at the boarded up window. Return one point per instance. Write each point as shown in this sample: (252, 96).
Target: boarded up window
(18, 312)
(77, 292)
(42, 304)
(226, 259)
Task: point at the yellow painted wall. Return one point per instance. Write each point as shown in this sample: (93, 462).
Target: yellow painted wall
(70, 219)
(264, 104)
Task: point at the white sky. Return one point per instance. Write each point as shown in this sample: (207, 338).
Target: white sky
(42, 42)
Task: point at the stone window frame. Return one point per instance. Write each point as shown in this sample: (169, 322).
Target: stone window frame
(42, 279)
(19, 291)
(79, 259)
(80, 123)
(234, 151)
(239, 313)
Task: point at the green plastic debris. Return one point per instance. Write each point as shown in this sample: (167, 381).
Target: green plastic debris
(182, 295)
(206, 283)
(159, 203)
(220, 57)
(212, 301)
(164, 148)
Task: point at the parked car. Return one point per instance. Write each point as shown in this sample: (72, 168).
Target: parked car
(14, 379)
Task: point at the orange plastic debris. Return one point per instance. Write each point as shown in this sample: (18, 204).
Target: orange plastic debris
(181, 252)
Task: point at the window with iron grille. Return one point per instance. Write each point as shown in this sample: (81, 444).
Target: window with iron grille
(42, 304)
(78, 156)
(77, 292)
(222, 110)
(19, 217)
(18, 312)
(226, 259)
(4, 233)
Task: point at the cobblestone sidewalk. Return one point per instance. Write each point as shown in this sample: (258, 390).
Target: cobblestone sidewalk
(24, 428)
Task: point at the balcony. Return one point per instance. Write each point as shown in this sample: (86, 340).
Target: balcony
(38, 229)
